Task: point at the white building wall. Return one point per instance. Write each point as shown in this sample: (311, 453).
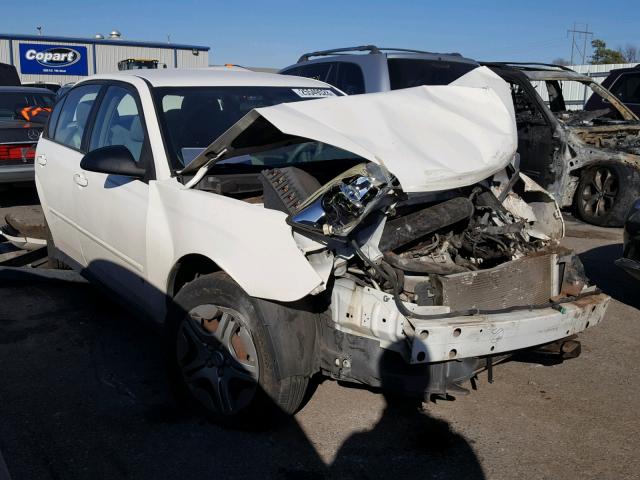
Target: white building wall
(186, 59)
(5, 57)
(108, 56)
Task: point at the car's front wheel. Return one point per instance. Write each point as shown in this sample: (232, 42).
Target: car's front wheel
(221, 358)
(605, 194)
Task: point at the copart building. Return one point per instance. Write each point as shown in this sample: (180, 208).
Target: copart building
(60, 60)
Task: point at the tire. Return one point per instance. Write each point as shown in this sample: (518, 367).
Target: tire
(229, 376)
(52, 261)
(605, 194)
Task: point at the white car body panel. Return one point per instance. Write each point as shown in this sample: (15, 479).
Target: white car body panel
(252, 244)
(54, 180)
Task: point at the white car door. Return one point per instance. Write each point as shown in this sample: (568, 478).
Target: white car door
(113, 208)
(58, 158)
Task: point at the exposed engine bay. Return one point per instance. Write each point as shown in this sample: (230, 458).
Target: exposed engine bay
(621, 138)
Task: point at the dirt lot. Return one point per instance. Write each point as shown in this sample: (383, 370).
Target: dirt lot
(83, 395)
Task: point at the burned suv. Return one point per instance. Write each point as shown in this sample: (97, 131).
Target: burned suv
(278, 230)
(586, 159)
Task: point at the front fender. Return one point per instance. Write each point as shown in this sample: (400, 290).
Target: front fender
(253, 245)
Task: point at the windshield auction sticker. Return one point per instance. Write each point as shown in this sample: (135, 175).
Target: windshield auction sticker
(313, 92)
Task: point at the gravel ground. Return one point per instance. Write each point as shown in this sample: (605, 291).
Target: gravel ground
(83, 396)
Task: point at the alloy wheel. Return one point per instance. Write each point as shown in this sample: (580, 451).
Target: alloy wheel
(599, 194)
(218, 358)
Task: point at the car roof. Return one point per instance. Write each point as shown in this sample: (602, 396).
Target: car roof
(389, 52)
(25, 90)
(634, 69)
(212, 76)
(539, 71)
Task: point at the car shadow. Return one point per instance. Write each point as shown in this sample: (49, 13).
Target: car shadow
(599, 266)
(84, 395)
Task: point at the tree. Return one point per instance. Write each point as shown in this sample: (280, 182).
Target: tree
(602, 54)
(561, 61)
(630, 53)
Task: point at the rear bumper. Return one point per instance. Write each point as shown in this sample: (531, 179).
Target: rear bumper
(16, 173)
(489, 334)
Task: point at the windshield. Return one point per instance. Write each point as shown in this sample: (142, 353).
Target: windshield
(193, 117)
(16, 106)
(288, 156)
(413, 72)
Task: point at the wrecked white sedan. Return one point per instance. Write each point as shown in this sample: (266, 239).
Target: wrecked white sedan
(384, 239)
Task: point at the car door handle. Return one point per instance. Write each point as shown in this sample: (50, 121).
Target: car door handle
(80, 179)
(42, 160)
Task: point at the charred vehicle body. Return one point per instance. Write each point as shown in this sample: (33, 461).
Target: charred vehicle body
(589, 160)
(316, 236)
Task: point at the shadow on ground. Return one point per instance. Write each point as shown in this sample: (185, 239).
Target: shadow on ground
(598, 263)
(11, 196)
(83, 394)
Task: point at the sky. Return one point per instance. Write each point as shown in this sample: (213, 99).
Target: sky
(275, 33)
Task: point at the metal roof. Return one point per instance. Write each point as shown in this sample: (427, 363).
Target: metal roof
(103, 41)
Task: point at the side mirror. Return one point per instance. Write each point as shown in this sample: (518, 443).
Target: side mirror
(112, 160)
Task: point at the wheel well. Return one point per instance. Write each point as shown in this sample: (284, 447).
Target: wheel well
(189, 268)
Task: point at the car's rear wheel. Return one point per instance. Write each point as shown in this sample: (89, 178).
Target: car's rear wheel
(605, 194)
(221, 358)
(52, 260)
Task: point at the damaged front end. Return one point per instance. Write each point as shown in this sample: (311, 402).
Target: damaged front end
(433, 252)
(445, 278)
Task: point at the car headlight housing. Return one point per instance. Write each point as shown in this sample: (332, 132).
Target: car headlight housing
(338, 207)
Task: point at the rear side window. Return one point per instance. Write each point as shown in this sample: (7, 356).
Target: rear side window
(118, 122)
(350, 79)
(627, 88)
(317, 71)
(74, 115)
(410, 72)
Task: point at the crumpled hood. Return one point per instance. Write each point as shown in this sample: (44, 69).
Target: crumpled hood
(430, 137)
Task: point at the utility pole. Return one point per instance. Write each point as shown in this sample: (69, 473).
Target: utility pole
(574, 45)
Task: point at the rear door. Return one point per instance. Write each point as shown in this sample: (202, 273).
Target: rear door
(113, 213)
(57, 162)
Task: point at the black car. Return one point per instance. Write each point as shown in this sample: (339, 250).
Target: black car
(23, 114)
(624, 83)
(630, 261)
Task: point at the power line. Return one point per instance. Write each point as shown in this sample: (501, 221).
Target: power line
(574, 45)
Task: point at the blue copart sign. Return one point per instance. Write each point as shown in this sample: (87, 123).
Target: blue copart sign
(53, 59)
